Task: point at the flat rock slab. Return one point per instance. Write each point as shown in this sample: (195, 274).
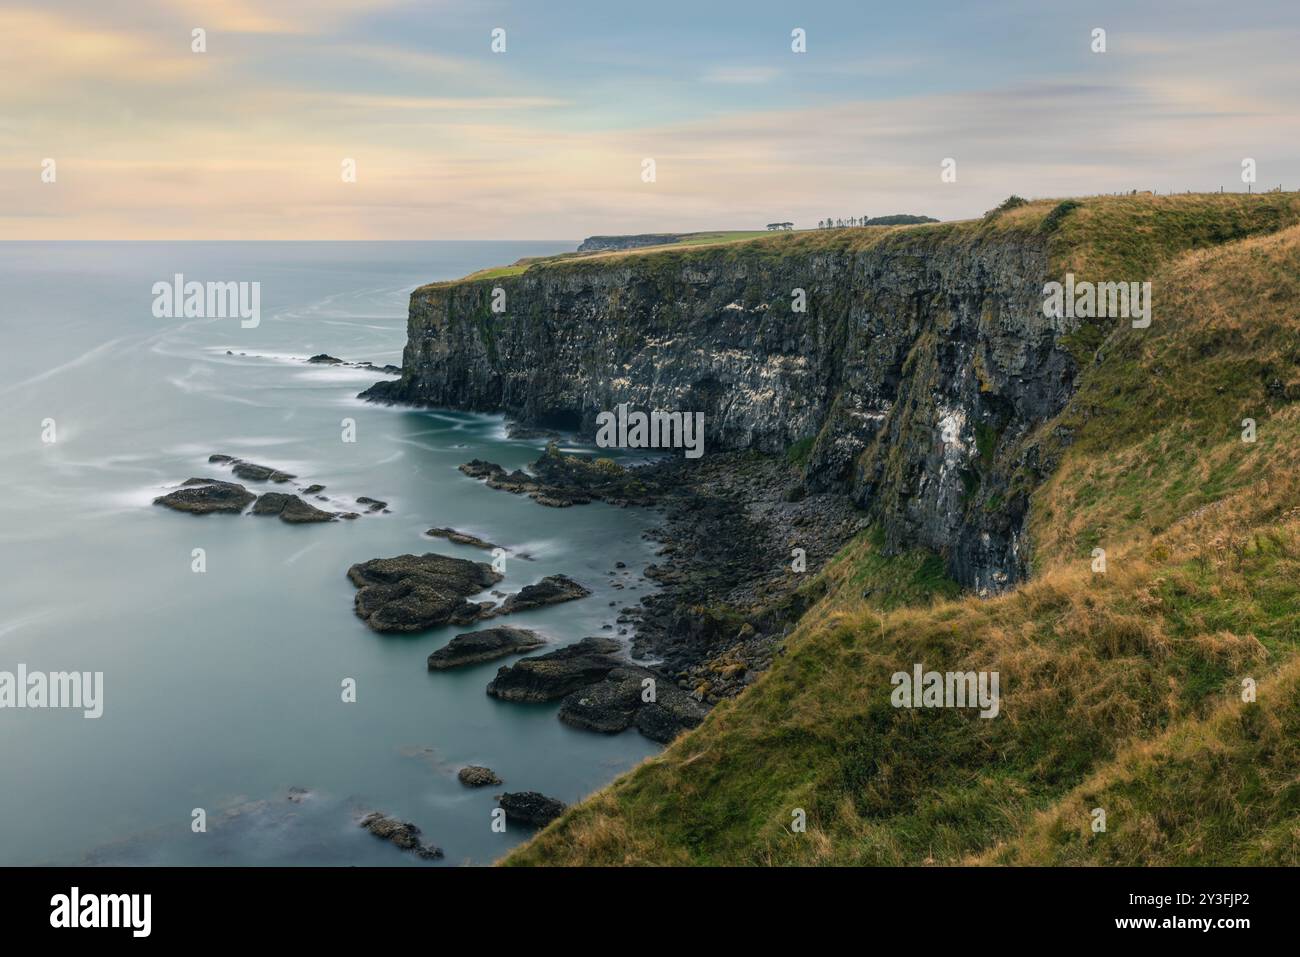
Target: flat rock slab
(290, 508)
(551, 676)
(400, 833)
(414, 592)
(460, 538)
(551, 590)
(531, 808)
(476, 646)
(199, 496)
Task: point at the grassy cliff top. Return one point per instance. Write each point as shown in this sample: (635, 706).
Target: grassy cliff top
(1120, 690)
(1092, 236)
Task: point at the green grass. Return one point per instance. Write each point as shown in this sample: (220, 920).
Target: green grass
(913, 578)
(1120, 690)
(499, 272)
(798, 453)
(700, 239)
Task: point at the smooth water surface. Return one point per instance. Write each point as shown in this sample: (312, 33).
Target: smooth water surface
(222, 689)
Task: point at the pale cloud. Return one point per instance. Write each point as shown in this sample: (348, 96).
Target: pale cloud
(741, 75)
(442, 103)
(39, 47)
(405, 60)
(278, 17)
(155, 142)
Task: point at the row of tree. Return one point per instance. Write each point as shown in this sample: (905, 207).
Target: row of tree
(840, 223)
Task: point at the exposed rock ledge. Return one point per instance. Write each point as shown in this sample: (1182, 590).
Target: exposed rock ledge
(553, 675)
(410, 593)
(479, 646)
(530, 808)
(204, 496)
(399, 833)
(414, 592)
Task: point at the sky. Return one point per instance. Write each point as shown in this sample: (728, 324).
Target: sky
(113, 127)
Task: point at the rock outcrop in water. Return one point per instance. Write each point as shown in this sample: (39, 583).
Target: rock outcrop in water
(551, 590)
(559, 480)
(400, 833)
(474, 776)
(460, 538)
(530, 808)
(324, 359)
(414, 592)
(290, 508)
(250, 470)
(912, 382)
(486, 645)
(201, 496)
(555, 674)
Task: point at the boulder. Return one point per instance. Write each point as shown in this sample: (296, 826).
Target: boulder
(477, 777)
(199, 496)
(675, 711)
(476, 646)
(290, 508)
(530, 808)
(608, 706)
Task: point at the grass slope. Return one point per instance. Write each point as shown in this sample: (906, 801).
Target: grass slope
(1119, 690)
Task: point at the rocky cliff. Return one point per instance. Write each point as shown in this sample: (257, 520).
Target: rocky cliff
(912, 379)
(600, 244)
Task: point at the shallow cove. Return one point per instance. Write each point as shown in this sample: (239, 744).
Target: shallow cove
(221, 690)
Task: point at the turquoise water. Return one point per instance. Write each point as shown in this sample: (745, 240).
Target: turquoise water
(222, 690)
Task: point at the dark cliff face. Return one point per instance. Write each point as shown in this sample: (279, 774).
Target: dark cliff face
(917, 372)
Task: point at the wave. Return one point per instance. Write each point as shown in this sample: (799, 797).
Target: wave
(88, 356)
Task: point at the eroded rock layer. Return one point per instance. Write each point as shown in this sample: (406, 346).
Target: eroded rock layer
(912, 381)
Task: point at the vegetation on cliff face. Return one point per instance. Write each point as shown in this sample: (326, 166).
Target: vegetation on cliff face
(848, 347)
(1120, 690)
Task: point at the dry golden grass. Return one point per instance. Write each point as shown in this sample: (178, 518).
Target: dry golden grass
(1119, 690)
